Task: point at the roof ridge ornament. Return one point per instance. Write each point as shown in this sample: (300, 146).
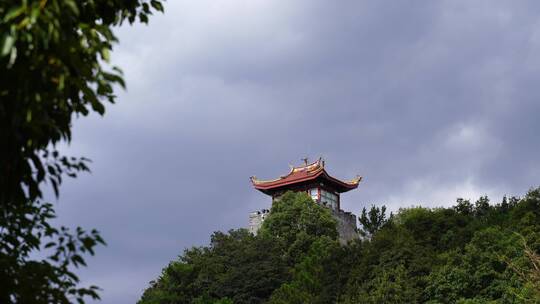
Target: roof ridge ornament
(356, 180)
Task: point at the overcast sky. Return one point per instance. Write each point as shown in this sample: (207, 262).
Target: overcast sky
(428, 100)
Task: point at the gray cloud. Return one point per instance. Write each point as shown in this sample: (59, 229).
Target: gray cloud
(428, 101)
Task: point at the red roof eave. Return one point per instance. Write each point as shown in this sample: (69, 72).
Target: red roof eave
(308, 177)
(350, 186)
(286, 181)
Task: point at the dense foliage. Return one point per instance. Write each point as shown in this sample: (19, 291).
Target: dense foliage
(470, 253)
(53, 68)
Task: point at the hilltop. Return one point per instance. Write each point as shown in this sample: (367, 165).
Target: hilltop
(469, 253)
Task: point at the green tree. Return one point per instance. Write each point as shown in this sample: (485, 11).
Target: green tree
(296, 221)
(315, 278)
(25, 229)
(478, 273)
(236, 266)
(53, 57)
(463, 254)
(482, 207)
(175, 285)
(389, 285)
(464, 207)
(298, 234)
(449, 255)
(372, 221)
(528, 271)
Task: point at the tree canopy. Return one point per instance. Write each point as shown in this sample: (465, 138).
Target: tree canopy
(53, 67)
(469, 253)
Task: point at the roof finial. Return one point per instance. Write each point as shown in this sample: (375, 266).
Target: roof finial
(305, 159)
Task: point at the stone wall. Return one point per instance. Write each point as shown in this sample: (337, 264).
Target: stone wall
(346, 223)
(256, 219)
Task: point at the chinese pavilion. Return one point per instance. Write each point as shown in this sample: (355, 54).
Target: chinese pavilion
(324, 189)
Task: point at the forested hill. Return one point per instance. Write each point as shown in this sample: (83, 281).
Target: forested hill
(470, 253)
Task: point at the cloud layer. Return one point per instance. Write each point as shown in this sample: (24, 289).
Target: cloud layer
(428, 101)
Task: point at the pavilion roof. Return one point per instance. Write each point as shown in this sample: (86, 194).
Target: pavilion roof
(310, 172)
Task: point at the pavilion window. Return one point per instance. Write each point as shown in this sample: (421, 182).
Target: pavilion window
(314, 193)
(330, 199)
